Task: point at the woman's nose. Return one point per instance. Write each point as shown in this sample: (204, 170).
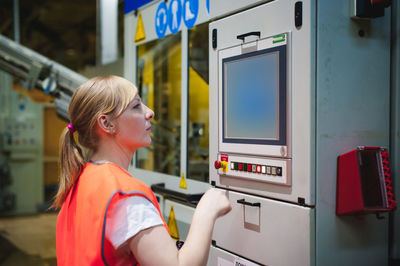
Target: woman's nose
(149, 113)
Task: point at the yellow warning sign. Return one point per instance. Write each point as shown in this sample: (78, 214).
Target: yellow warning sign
(173, 227)
(140, 34)
(182, 184)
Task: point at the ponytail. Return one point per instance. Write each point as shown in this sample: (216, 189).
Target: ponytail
(71, 163)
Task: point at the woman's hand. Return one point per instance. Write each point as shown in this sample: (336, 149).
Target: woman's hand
(214, 202)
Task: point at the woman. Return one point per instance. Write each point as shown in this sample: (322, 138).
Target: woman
(107, 217)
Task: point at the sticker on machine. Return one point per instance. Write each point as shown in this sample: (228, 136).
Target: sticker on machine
(224, 157)
(242, 262)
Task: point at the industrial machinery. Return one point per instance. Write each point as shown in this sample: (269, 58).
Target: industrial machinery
(284, 103)
(37, 71)
(21, 123)
(293, 85)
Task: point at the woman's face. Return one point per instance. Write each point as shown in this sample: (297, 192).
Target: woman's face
(133, 125)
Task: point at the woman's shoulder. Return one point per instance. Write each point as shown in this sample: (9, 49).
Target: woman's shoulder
(112, 175)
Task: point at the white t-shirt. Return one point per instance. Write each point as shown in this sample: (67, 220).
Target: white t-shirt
(128, 217)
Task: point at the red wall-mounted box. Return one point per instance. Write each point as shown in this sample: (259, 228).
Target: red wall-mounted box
(364, 182)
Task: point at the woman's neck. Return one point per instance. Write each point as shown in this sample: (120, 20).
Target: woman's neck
(100, 159)
(112, 154)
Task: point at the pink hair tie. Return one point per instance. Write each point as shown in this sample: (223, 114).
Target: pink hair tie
(71, 128)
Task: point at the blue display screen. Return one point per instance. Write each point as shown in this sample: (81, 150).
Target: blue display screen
(254, 97)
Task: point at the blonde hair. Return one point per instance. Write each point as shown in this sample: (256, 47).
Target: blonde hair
(108, 95)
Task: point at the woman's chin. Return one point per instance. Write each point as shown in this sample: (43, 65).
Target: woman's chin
(147, 143)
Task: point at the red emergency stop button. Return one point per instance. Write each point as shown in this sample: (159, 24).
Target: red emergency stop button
(221, 164)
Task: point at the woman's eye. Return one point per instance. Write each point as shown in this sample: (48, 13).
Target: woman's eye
(137, 106)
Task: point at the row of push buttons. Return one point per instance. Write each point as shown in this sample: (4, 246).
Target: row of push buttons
(257, 168)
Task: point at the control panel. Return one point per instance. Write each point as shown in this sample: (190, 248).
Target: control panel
(256, 168)
(21, 134)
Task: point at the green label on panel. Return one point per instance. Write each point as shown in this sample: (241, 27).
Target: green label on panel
(279, 38)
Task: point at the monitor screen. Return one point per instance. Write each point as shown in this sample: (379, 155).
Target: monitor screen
(254, 97)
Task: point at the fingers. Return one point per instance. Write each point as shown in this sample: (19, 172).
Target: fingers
(219, 201)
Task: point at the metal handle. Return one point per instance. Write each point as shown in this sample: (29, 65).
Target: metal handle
(244, 202)
(242, 36)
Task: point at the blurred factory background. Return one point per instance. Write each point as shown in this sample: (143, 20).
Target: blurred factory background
(338, 80)
(64, 32)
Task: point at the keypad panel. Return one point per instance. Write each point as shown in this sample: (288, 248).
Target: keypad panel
(263, 169)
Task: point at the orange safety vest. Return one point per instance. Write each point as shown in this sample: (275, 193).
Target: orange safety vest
(81, 222)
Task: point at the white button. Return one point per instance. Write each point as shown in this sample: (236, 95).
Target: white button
(263, 169)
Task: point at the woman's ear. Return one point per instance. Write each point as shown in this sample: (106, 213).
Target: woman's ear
(105, 124)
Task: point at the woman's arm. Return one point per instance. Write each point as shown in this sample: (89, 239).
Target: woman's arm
(154, 246)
